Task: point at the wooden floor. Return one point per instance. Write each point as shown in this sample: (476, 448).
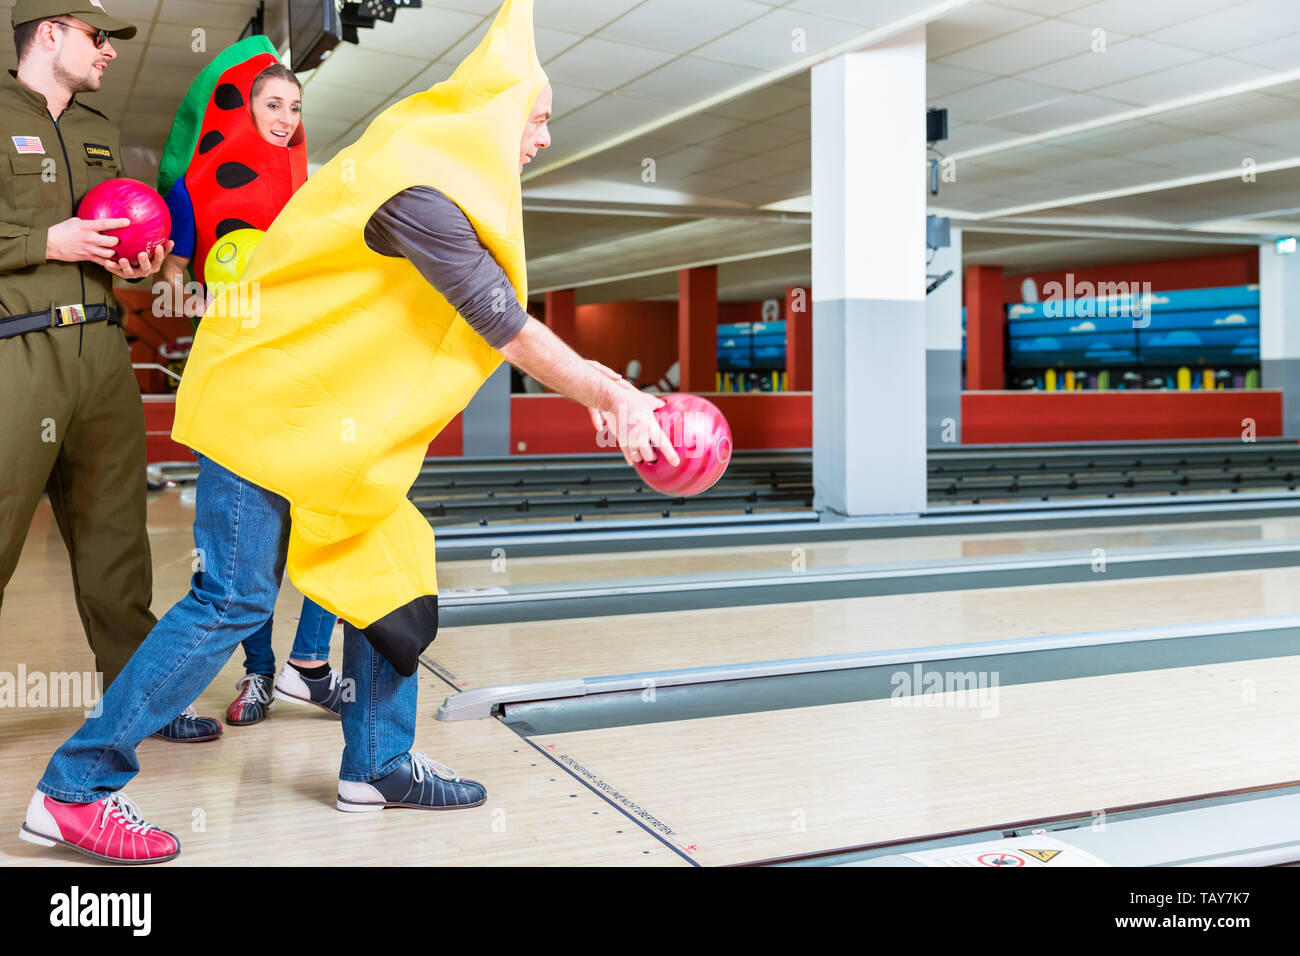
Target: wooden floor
(769, 785)
(729, 789)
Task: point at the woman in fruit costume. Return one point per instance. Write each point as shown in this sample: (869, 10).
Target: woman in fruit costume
(236, 154)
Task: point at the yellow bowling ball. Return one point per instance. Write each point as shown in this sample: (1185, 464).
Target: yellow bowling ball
(228, 258)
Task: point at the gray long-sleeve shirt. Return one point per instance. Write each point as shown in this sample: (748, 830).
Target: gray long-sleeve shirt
(423, 225)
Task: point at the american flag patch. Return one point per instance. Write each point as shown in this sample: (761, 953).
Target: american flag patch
(28, 144)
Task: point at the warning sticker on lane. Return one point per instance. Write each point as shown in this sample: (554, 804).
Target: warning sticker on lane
(1015, 853)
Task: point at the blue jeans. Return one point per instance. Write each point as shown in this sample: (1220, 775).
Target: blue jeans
(311, 642)
(241, 534)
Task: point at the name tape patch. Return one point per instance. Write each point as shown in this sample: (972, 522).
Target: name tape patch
(95, 151)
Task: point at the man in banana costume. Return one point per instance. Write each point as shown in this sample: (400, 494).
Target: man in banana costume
(383, 296)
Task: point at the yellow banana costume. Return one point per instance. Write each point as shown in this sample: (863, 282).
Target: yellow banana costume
(328, 386)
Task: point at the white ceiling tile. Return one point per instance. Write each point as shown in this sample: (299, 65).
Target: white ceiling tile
(1122, 139)
(696, 159)
(971, 25)
(756, 139)
(942, 80)
(1110, 170)
(797, 151)
(998, 98)
(340, 100)
(1179, 81)
(762, 104)
(602, 64)
(1034, 45)
(866, 14)
(323, 132)
(1047, 8)
(1283, 133)
(701, 184)
(1073, 109)
(754, 168)
(1243, 25)
(778, 39)
(681, 25)
(171, 56)
(138, 12)
(1120, 60)
(618, 113)
(426, 33)
(1283, 54)
(699, 127)
(1203, 153)
(361, 69)
(483, 8)
(963, 136)
(214, 38)
(1227, 115)
(430, 76)
(580, 16)
(799, 120)
(688, 80)
(1131, 18)
(466, 44)
(568, 99)
(551, 43)
(752, 194)
(206, 14)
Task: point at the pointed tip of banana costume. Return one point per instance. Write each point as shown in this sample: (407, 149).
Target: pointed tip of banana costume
(328, 378)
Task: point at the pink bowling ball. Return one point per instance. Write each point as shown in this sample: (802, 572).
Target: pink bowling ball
(151, 222)
(702, 438)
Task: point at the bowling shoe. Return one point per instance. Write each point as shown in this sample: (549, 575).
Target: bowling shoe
(190, 728)
(111, 829)
(420, 784)
(325, 692)
(254, 702)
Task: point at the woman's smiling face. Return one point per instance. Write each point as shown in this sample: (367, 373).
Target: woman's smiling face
(277, 111)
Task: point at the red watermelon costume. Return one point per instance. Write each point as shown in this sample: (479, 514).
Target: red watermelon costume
(217, 173)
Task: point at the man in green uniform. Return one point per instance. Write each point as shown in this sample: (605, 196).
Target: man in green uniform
(71, 420)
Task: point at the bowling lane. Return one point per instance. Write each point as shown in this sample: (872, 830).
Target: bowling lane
(565, 568)
(493, 654)
(766, 785)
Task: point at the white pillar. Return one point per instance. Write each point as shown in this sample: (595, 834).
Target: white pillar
(1279, 331)
(943, 349)
(868, 261)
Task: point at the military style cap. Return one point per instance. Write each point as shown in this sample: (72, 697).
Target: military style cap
(89, 11)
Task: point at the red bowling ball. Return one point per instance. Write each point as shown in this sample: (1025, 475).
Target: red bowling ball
(151, 223)
(702, 438)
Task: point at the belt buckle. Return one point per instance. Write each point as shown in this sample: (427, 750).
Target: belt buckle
(69, 314)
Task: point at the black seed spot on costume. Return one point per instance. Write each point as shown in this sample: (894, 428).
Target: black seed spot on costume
(227, 97)
(234, 175)
(210, 140)
(230, 225)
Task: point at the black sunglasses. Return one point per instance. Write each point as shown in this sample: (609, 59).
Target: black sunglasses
(100, 37)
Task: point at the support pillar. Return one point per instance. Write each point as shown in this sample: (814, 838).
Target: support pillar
(798, 339)
(697, 328)
(1279, 331)
(986, 321)
(868, 263)
(943, 349)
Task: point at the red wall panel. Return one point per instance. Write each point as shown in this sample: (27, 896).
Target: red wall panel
(1008, 417)
(1195, 272)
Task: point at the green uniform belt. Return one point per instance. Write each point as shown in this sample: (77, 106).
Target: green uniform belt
(54, 317)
